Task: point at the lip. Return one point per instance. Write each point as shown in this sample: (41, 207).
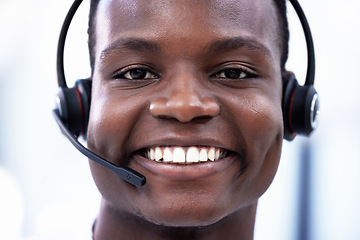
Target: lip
(182, 171)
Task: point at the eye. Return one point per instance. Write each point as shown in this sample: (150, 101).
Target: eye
(234, 73)
(135, 74)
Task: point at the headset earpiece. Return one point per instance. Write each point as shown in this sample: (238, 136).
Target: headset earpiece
(300, 107)
(74, 106)
(84, 88)
(289, 85)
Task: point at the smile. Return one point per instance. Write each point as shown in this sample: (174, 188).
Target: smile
(184, 155)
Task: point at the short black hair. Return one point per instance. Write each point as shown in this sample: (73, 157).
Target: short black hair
(91, 32)
(282, 19)
(283, 31)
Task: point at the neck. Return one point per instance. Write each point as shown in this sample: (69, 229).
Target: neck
(114, 225)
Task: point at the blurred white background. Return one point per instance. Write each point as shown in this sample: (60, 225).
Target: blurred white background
(46, 185)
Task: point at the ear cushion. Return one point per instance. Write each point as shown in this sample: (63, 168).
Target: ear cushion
(74, 106)
(289, 87)
(300, 108)
(84, 88)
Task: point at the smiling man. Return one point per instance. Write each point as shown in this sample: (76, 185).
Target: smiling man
(189, 94)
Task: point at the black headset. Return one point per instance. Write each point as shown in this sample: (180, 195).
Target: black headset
(300, 104)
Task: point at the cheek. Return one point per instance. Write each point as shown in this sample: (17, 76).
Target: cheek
(103, 124)
(267, 141)
(264, 118)
(259, 127)
(258, 118)
(112, 119)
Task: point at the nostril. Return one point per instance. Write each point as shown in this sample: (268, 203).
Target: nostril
(185, 109)
(201, 119)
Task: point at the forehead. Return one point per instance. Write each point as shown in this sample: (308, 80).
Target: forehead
(197, 20)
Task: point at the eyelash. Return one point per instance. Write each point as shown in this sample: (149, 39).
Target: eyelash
(238, 70)
(125, 73)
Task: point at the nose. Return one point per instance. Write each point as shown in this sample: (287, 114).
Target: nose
(185, 103)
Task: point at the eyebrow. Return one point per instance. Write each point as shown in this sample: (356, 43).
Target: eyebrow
(233, 43)
(228, 44)
(136, 44)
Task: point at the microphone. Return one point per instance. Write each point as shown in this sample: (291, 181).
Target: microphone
(125, 173)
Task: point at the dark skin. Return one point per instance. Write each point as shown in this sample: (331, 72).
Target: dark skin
(181, 74)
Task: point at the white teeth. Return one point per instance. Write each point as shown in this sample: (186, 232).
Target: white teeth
(203, 155)
(184, 155)
(211, 154)
(168, 156)
(178, 155)
(158, 154)
(217, 154)
(151, 154)
(192, 155)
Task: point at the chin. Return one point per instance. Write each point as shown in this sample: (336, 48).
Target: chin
(189, 222)
(195, 216)
(186, 222)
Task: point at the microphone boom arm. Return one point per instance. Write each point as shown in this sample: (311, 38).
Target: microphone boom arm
(125, 173)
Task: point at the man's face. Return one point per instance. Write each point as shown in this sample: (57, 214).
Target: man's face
(194, 80)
